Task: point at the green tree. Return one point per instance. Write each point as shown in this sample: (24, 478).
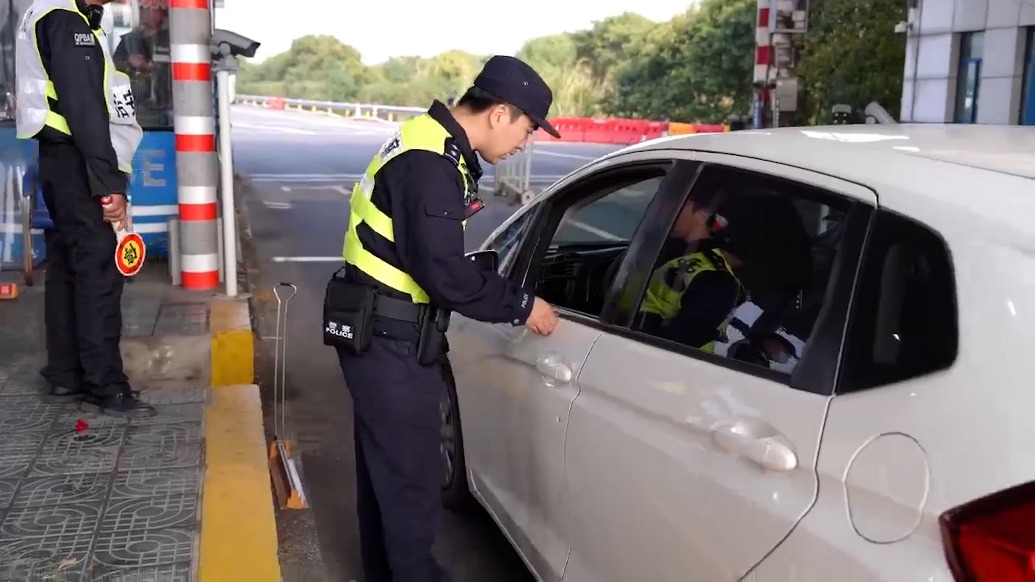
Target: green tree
(315, 67)
(696, 67)
(852, 55)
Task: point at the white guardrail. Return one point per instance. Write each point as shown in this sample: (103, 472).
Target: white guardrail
(511, 178)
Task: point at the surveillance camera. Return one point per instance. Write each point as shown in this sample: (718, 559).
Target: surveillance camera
(237, 44)
(901, 27)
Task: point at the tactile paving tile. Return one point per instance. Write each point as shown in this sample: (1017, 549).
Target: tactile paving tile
(142, 548)
(65, 451)
(73, 519)
(21, 386)
(17, 451)
(7, 488)
(44, 558)
(15, 464)
(68, 419)
(174, 413)
(169, 393)
(144, 484)
(170, 434)
(150, 513)
(165, 573)
(183, 319)
(61, 489)
(29, 412)
(154, 457)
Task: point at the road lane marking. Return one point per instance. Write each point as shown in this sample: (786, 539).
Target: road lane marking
(594, 230)
(339, 189)
(323, 179)
(560, 155)
(276, 205)
(337, 259)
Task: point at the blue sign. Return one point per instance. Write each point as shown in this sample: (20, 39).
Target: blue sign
(152, 194)
(17, 161)
(152, 190)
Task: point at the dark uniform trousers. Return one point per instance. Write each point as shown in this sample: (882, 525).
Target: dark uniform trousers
(83, 286)
(398, 468)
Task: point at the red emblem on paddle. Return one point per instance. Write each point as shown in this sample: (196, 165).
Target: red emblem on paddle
(130, 250)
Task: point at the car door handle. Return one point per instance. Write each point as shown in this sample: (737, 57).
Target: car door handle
(758, 442)
(553, 367)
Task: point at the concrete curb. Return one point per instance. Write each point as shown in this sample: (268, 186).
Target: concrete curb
(238, 523)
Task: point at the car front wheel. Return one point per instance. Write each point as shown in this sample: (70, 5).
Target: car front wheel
(455, 493)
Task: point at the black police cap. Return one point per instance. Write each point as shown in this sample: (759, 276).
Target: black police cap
(512, 81)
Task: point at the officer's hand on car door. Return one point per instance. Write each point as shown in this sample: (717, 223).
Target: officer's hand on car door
(543, 318)
(116, 211)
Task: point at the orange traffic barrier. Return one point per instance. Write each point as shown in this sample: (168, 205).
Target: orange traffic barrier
(677, 128)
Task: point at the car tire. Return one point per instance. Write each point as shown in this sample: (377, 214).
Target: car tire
(456, 495)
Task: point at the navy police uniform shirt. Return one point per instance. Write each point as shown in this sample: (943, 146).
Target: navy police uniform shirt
(76, 67)
(424, 194)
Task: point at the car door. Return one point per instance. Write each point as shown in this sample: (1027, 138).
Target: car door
(516, 388)
(690, 464)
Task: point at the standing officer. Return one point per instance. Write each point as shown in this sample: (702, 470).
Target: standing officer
(405, 271)
(81, 110)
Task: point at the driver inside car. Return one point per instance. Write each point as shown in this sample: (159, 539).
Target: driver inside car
(692, 295)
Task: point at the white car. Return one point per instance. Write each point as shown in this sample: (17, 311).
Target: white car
(866, 415)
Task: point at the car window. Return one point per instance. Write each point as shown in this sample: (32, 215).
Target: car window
(612, 218)
(506, 242)
(744, 270)
(591, 238)
(904, 319)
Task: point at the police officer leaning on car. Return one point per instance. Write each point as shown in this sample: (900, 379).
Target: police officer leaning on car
(81, 110)
(387, 309)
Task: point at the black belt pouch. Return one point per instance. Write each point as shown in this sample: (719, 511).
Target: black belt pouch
(348, 314)
(432, 346)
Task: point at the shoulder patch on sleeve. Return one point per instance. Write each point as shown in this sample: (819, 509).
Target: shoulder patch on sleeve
(390, 146)
(452, 151)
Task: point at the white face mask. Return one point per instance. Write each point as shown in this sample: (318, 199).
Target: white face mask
(108, 23)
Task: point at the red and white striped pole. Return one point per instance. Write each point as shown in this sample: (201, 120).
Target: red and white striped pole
(197, 165)
(763, 58)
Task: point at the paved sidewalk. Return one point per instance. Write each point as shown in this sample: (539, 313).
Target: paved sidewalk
(90, 497)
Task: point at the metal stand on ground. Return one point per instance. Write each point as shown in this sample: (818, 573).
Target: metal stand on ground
(287, 482)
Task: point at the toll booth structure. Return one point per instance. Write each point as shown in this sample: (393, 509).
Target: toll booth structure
(139, 39)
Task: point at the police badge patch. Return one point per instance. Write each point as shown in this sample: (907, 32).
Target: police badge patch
(392, 145)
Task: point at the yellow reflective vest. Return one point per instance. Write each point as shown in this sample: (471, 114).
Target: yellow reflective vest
(419, 133)
(670, 281)
(36, 90)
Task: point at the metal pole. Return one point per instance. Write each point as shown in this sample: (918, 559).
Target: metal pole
(174, 250)
(219, 230)
(226, 160)
(190, 32)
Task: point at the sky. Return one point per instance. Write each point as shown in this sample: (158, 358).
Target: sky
(422, 28)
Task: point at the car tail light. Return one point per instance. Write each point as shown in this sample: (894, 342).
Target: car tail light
(992, 538)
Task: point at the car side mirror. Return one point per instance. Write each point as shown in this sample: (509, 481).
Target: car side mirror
(488, 260)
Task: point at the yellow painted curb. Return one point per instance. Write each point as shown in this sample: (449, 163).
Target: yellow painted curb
(233, 345)
(238, 527)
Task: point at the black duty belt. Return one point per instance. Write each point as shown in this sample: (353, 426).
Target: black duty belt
(399, 309)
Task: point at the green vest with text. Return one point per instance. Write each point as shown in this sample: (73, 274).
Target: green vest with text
(419, 133)
(670, 281)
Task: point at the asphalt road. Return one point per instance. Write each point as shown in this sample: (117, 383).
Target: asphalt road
(299, 169)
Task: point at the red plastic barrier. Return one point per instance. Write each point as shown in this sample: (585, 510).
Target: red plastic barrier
(619, 131)
(276, 103)
(709, 128)
(656, 129)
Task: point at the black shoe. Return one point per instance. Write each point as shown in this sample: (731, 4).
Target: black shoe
(58, 394)
(123, 404)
